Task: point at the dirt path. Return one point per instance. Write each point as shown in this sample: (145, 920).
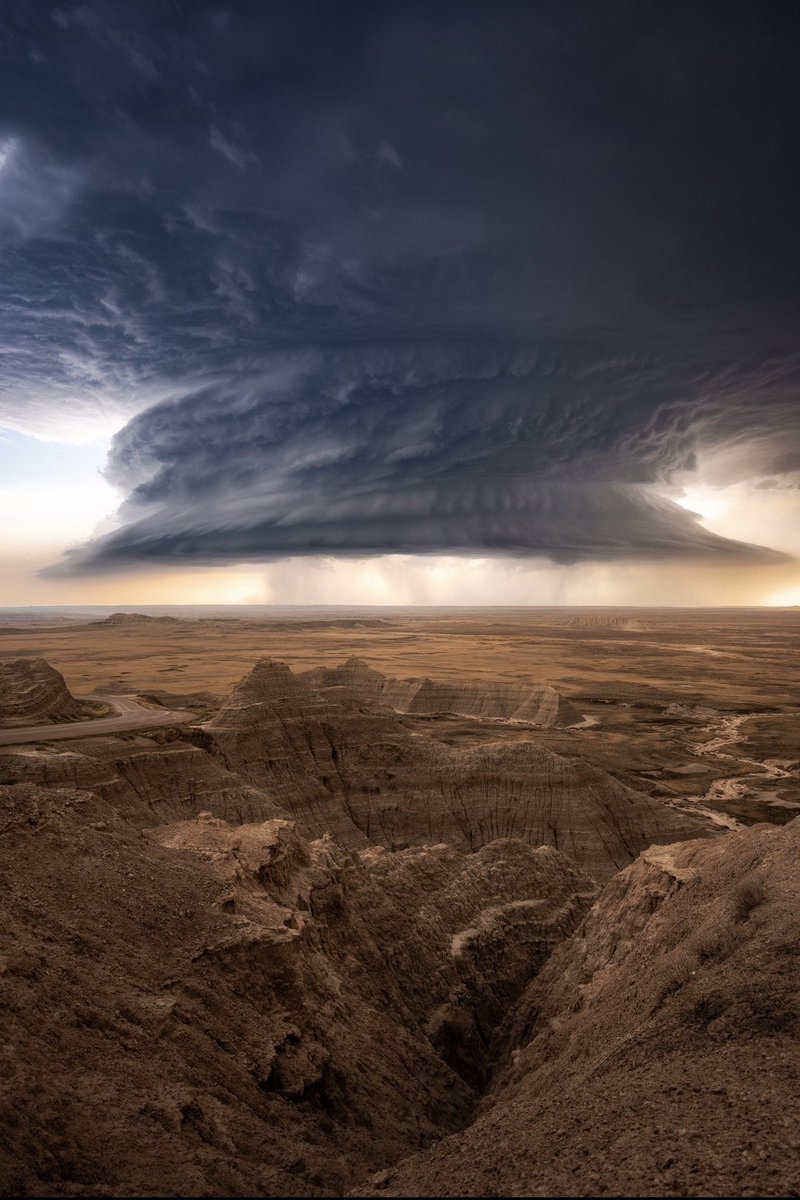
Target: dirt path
(132, 715)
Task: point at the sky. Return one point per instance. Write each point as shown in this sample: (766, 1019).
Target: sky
(437, 303)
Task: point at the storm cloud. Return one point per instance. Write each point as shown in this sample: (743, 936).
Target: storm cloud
(526, 449)
(370, 278)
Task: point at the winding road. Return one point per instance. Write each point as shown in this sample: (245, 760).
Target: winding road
(131, 715)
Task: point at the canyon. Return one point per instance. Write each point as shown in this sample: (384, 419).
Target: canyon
(348, 930)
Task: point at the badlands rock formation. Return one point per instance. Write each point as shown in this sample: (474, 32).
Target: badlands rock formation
(657, 1052)
(218, 1010)
(206, 1009)
(533, 703)
(338, 762)
(148, 781)
(34, 693)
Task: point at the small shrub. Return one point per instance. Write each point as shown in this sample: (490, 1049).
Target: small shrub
(714, 941)
(677, 969)
(749, 894)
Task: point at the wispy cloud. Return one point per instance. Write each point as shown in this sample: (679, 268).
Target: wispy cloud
(240, 157)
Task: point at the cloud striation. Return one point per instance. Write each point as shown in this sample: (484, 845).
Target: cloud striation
(378, 277)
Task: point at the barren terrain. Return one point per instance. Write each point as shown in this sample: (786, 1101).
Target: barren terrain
(652, 686)
(419, 903)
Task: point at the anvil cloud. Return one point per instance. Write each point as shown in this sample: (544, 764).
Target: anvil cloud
(372, 278)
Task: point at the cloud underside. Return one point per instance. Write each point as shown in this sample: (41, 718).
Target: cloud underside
(565, 524)
(537, 447)
(447, 448)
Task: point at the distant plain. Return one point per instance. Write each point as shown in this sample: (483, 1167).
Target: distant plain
(698, 703)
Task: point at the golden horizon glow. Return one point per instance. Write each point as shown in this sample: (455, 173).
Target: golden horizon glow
(399, 580)
(53, 507)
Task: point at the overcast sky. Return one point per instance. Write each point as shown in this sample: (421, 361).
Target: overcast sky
(400, 302)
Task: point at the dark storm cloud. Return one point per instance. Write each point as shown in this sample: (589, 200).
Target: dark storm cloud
(403, 277)
(450, 447)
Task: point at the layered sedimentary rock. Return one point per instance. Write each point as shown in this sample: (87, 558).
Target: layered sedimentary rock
(34, 693)
(355, 674)
(218, 1010)
(658, 1051)
(337, 762)
(208, 1009)
(149, 783)
(155, 785)
(394, 792)
(52, 766)
(535, 704)
(461, 963)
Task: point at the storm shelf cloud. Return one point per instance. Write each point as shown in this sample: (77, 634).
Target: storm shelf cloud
(444, 449)
(374, 278)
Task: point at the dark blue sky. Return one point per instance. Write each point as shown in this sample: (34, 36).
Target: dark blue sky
(420, 277)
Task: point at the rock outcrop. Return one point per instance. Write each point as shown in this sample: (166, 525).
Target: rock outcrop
(240, 1011)
(461, 964)
(658, 1050)
(153, 785)
(341, 763)
(53, 766)
(336, 762)
(34, 693)
(208, 1009)
(148, 782)
(534, 704)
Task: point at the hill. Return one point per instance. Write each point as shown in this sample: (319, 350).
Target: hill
(32, 693)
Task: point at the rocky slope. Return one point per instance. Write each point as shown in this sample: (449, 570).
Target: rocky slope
(34, 693)
(206, 1009)
(658, 1051)
(149, 781)
(535, 704)
(218, 1010)
(338, 762)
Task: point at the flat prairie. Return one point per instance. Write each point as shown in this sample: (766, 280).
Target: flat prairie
(701, 704)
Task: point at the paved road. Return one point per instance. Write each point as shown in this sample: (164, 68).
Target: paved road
(132, 715)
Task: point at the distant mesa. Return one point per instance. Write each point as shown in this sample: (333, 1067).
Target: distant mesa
(32, 692)
(533, 703)
(607, 621)
(132, 618)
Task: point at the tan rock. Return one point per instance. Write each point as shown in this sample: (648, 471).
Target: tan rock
(535, 704)
(34, 693)
(658, 1050)
(238, 1010)
(338, 763)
